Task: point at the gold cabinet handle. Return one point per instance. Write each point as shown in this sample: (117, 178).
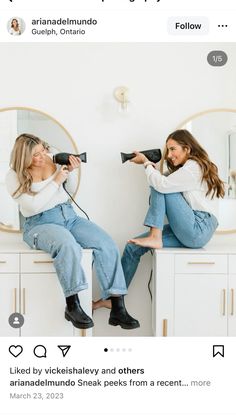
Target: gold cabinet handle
(14, 299)
(224, 302)
(164, 327)
(201, 263)
(232, 301)
(43, 261)
(23, 301)
(3, 261)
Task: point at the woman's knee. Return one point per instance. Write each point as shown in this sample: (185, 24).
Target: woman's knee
(169, 197)
(154, 192)
(65, 246)
(55, 245)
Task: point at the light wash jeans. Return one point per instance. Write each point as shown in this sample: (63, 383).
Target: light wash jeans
(186, 228)
(63, 234)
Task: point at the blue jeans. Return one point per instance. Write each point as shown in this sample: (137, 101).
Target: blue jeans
(186, 228)
(63, 234)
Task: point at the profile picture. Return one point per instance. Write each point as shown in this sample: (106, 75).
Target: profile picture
(16, 26)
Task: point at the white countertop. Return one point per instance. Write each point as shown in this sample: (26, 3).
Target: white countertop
(13, 243)
(213, 249)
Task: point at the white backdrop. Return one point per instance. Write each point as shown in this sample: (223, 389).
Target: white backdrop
(74, 83)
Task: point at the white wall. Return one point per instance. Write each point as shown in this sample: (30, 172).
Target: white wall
(75, 82)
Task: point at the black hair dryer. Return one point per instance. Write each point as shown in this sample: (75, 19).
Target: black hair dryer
(63, 158)
(152, 155)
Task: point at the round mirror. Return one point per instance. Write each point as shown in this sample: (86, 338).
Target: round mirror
(215, 129)
(13, 122)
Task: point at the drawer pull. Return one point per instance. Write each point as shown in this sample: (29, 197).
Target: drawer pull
(3, 261)
(232, 301)
(14, 299)
(43, 261)
(164, 327)
(224, 302)
(23, 300)
(201, 263)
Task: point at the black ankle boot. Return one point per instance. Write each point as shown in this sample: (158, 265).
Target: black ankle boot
(76, 314)
(119, 315)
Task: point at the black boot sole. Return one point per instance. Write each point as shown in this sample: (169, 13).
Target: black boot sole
(79, 325)
(123, 325)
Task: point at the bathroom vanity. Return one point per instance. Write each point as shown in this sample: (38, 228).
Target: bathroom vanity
(194, 292)
(29, 286)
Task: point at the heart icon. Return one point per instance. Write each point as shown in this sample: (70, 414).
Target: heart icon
(15, 350)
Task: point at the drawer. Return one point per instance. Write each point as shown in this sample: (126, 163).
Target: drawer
(9, 262)
(201, 263)
(232, 264)
(36, 262)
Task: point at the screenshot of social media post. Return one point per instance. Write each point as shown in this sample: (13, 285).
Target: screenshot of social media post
(117, 209)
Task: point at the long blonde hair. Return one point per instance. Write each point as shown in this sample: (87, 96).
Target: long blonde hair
(209, 170)
(21, 159)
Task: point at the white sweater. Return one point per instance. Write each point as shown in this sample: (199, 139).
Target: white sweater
(188, 180)
(49, 193)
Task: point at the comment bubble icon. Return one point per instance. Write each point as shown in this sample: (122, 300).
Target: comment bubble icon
(40, 351)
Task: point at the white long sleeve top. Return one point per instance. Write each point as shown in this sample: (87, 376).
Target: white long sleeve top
(48, 193)
(188, 180)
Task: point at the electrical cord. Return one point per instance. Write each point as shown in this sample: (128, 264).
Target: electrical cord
(150, 279)
(149, 285)
(71, 197)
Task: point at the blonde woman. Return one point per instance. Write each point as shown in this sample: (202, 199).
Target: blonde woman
(36, 184)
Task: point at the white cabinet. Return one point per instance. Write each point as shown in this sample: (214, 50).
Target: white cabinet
(9, 291)
(9, 287)
(42, 305)
(200, 305)
(29, 285)
(194, 293)
(232, 296)
(231, 305)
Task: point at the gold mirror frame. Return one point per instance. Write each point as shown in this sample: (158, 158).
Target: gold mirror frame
(23, 108)
(195, 116)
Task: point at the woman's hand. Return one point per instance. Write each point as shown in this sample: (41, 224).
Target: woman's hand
(62, 175)
(74, 163)
(139, 158)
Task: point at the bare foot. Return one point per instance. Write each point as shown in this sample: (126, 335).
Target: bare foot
(149, 241)
(101, 303)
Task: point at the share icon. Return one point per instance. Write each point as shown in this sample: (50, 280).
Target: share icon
(64, 349)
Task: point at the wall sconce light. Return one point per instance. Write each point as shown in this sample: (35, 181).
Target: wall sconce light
(121, 95)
